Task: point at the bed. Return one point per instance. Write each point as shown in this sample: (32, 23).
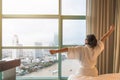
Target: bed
(113, 76)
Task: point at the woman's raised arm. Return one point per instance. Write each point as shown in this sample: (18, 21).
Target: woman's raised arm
(108, 33)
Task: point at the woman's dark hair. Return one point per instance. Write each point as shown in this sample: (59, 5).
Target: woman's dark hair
(92, 41)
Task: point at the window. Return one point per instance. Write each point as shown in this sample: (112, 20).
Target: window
(73, 32)
(30, 28)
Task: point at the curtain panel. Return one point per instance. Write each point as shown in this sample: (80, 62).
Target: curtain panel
(116, 65)
(99, 16)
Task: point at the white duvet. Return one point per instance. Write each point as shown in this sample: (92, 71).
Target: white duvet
(114, 76)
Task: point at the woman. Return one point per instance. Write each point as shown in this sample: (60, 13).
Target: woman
(87, 55)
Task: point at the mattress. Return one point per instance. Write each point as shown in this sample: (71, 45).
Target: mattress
(113, 76)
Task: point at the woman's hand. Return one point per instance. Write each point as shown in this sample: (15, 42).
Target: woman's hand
(112, 27)
(52, 51)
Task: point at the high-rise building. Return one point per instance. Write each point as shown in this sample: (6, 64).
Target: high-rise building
(55, 39)
(38, 52)
(16, 53)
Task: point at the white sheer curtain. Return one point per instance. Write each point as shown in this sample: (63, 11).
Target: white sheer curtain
(100, 15)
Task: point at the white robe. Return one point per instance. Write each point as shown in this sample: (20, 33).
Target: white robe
(87, 57)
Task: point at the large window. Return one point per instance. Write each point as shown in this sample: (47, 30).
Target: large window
(30, 28)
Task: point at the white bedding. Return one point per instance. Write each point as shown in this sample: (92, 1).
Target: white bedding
(114, 76)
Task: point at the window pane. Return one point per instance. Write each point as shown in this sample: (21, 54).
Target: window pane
(30, 6)
(34, 62)
(74, 32)
(74, 7)
(30, 32)
(67, 66)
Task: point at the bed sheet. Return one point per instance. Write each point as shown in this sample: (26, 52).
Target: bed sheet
(113, 76)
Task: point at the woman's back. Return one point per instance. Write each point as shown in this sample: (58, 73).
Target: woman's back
(87, 56)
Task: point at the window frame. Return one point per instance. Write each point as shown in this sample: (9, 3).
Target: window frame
(60, 18)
